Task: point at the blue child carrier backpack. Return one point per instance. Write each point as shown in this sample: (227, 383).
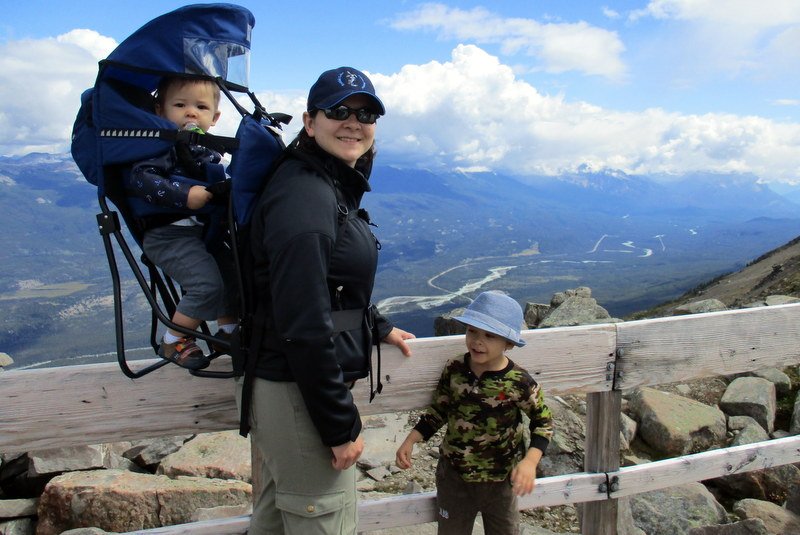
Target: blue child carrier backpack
(116, 125)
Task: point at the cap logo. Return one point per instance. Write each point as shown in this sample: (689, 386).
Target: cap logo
(350, 79)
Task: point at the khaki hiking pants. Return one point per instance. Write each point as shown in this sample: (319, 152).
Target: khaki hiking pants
(303, 494)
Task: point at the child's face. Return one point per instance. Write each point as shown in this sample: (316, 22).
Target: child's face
(486, 350)
(191, 102)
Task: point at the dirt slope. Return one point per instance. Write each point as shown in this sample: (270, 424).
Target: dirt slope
(774, 273)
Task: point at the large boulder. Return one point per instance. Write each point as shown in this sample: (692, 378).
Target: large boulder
(223, 455)
(674, 425)
(751, 526)
(121, 501)
(576, 310)
(751, 396)
(777, 519)
(676, 510)
(699, 307)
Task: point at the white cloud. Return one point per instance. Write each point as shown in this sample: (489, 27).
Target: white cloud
(737, 37)
(763, 14)
(558, 47)
(40, 86)
(471, 112)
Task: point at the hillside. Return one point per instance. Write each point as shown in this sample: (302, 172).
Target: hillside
(776, 272)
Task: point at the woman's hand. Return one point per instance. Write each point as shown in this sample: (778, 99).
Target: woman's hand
(345, 455)
(397, 337)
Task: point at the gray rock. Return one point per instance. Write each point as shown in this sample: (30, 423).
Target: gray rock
(445, 325)
(5, 360)
(412, 487)
(751, 396)
(751, 526)
(19, 526)
(627, 431)
(58, 460)
(17, 508)
(575, 311)
(674, 425)
(737, 423)
(793, 498)
(535, 313)
(223, 455)
(776, 519)
(750, 434)
(93, 498)
(676, 510)
(149, 453)
(782, 382)
(794, 425)
(379, 473)
(699, 307)
(773, 300)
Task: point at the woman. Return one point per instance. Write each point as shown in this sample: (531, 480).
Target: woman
(315, 263)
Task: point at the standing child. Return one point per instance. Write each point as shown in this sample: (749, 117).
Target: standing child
(172, 187)
(481, 397)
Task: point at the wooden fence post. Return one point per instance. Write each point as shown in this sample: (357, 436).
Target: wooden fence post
(601, 455)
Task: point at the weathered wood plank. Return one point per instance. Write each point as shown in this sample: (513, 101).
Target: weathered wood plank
(237, 525)
(568, 359)
(682, 348)
(706, 465)
(412, 509)
(96, 403)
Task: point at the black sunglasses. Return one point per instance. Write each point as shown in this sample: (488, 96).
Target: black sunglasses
(341, 113)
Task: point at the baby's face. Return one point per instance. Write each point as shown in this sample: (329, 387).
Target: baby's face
(191, 102)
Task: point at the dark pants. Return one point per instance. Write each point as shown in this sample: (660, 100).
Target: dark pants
(459, 502)
(208, 280)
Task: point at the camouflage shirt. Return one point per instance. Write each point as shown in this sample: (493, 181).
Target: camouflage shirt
(484, 439)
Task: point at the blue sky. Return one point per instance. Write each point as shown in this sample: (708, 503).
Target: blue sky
(518, 86)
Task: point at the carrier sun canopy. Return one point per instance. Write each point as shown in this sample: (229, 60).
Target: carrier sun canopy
(208, 40)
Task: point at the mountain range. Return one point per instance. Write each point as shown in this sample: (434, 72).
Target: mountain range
(637, 241)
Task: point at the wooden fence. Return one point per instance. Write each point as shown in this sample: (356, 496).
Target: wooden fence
(92, 404)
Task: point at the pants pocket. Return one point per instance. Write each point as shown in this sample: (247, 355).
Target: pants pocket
(312, 515)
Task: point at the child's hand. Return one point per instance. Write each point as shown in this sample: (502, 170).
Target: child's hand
(523, 476)
(198, 197)
(403, 455)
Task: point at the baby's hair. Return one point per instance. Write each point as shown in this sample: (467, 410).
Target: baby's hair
(168, 82)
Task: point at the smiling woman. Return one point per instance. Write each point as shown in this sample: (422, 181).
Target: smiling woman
(315, 259)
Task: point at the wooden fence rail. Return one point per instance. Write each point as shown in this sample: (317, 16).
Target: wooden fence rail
(92, 404)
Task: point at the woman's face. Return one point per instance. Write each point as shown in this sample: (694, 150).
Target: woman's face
(348, 140)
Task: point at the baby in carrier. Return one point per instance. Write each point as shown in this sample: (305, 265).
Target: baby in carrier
(182, 214)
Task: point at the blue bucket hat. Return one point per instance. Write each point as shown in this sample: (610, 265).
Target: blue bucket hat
(496, 313)
(335, 85)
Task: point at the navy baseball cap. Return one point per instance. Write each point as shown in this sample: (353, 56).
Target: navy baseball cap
(335, 85)
(496, 313)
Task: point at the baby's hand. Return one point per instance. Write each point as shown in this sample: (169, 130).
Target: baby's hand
(198, 197)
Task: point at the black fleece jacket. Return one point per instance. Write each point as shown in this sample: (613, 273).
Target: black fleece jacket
(306, 266)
